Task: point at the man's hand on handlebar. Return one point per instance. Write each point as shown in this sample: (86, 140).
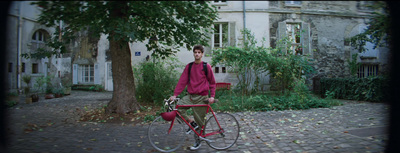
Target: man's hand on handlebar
(211, 100)
(172, 98)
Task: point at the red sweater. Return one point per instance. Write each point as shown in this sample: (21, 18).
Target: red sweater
(199, 83)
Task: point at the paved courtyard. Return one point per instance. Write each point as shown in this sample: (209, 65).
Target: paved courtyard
(353, 127)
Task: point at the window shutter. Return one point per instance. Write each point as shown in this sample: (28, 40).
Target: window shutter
(232, 34)
(96, 74)
(75, 74)
(281, 33)
(207, 49)
(306, 41)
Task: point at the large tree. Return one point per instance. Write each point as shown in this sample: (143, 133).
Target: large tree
(167, 25)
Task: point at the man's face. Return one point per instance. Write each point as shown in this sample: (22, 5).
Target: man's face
(197, 54)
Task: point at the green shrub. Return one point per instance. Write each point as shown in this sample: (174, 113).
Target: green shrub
(267, 102)
(11, 103)
(96, 87)
(249, 61)
(155, 81)
(373, 89)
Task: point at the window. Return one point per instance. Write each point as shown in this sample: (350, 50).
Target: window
(223, 69)
(35, 68)
(293, 31)
(39, 40)
(367, 70)
(298, 33)
(221, 35)
(293, 3)
(9, 67)
(219, 1)
(216, 69)
(23, 67)
(39, 36)
(87, 73)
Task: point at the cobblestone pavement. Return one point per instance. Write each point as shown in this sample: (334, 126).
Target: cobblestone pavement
(353, 127)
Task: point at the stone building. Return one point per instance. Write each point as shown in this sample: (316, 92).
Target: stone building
(324, 25)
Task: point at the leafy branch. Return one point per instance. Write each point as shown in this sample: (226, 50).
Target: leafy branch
(378, 30)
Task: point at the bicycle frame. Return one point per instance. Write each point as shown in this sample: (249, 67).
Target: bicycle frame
(201, 134)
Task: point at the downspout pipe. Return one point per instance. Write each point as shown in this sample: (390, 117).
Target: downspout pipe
(244, 19)
(244, 28)
(19, 45)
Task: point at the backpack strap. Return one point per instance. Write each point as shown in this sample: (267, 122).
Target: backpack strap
(205, 68)
(190, 67)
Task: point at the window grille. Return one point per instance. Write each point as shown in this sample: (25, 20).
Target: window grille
(87, 73)
(367, 70)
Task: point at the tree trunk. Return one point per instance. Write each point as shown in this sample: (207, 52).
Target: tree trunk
(123, 100)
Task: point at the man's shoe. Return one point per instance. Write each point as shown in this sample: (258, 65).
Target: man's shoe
(194, 125)
(196, 145)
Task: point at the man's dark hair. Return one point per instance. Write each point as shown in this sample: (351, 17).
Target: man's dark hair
(199, 47)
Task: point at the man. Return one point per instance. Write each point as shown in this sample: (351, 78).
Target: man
(198, 86)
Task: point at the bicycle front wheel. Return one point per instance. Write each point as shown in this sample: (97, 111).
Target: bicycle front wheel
(229, 126)
(163, 141)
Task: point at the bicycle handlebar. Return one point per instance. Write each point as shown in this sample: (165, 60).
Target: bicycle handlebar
(168, 101)
(215, 100)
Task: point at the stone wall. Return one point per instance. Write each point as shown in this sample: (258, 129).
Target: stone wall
(330, 24)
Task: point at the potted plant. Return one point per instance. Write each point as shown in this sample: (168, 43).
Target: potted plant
(35, 97)
(58, 92)
(49, 93)
(67, 85)
(12, 99)
(27, 80)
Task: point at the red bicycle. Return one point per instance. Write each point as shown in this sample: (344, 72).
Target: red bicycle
(167, 132)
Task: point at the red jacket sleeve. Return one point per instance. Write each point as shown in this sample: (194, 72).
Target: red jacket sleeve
(183, 81)
(211, 80)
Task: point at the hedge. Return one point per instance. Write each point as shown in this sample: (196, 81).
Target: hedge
(374, 89)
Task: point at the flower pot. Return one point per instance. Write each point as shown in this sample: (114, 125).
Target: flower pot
(49, 96)
(57, 95)
(28, 100)
(35, 98)
(67, 91)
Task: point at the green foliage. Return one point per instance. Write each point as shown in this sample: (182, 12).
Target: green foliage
(12, 94)
(165, 23)
(247, 62)
(251, 60)
(353, 65)
(378, 30)
(58, 91)
(155, 80)
(268, 102)
(329, 94)
(97, 87)
(369, 89)
(26, 79)
(11, 103)
(11, 99)
(43, 84)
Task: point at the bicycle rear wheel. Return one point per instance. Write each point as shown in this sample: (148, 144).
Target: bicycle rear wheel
(229, 125)
(159, 137)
